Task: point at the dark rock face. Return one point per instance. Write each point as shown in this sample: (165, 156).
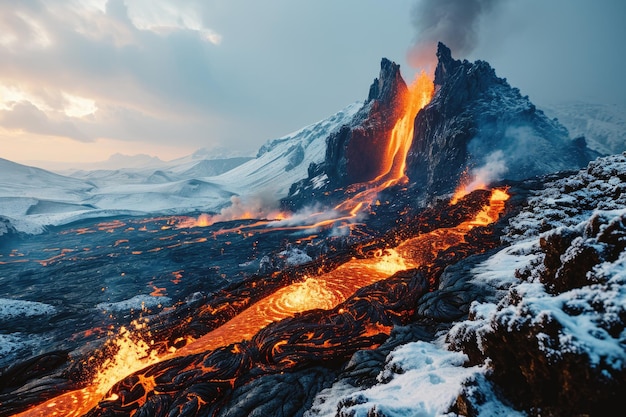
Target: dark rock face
(353, 152)
(369, 137)
(476, 119)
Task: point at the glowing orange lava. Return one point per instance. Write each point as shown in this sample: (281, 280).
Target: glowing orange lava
(419, 95)
(132, 355)
(420, 92)
(324, 292)
(468, 184)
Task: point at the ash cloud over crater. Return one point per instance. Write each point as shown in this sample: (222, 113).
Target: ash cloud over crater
(452, 22)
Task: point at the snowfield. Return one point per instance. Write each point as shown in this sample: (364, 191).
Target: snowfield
(32, 198)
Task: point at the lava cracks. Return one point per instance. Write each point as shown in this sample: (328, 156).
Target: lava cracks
(208, 376)
(199, 384)
(203, 383)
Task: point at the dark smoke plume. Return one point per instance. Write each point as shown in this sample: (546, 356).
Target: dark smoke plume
(453, 22)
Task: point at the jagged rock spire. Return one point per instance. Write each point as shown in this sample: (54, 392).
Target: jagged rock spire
(389, 83)
(445, 65)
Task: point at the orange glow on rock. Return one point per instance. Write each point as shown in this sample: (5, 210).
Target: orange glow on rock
(325, 291)
(132, 354)
(465, 188)
(420, 92)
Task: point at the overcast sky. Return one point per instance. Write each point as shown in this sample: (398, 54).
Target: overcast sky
(81, 80)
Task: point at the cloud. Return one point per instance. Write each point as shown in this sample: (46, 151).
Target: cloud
(165, 17)
(94, 61)
(26, 117)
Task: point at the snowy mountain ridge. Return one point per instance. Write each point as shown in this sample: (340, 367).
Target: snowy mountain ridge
(602, 125)
(32, 198)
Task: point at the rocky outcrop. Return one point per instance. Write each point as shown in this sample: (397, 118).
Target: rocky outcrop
(353, 152)
(476, 124)
(477, 120)
(555, 342)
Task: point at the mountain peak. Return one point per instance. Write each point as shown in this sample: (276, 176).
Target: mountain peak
(385, 88)
(445, 65)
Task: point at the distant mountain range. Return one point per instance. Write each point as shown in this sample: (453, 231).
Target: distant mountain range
(32, 198)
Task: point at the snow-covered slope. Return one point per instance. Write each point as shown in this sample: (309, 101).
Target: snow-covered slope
(602, 125)
(23, 181)
(281, 162)
(178, 170)
(31, 198)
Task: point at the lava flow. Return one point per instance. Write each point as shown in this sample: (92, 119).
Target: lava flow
(325, 292)
(330, 289)
(392, 172)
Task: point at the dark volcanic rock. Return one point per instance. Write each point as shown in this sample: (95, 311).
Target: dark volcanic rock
(353, 152)
(478, 120)
(287, 394)
(476, 124)
(555, 343)
(362, 145)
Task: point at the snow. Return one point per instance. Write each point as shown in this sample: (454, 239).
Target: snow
(14, 343)
(419, 379)
(138, 302)
(295, 256)
(497, 270)
(587, 319)
(32, 198)
(11, 309)
(602, 125)
(272, 171)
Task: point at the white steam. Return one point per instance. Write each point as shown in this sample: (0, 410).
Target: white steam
(494, 169)
(261, 206)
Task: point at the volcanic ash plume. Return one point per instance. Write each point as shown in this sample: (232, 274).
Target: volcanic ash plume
(453, 22)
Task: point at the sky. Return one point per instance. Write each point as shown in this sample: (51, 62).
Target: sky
(81, 80)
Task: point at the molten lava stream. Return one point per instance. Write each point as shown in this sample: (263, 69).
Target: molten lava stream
(132, 355)
(419, 94)
(324, 291)
(330, 289)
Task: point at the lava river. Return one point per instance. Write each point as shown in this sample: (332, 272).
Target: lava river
(320, 316)
(326, 292)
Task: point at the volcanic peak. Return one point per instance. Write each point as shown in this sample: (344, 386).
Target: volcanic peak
(389, 83)
(477, 124)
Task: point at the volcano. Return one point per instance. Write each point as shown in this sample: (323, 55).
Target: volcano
(451, 250)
